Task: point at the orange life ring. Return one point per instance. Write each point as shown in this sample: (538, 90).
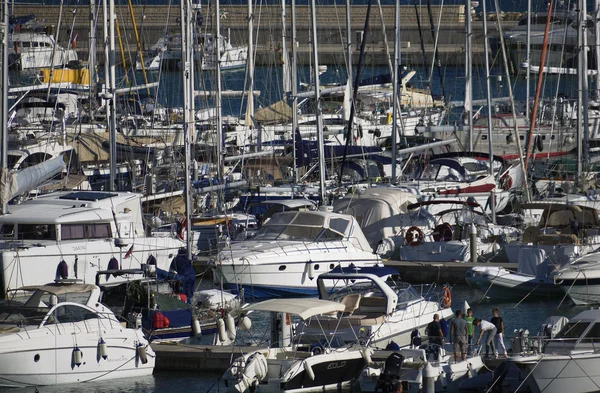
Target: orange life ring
(507, 182)
(446, 297)
(413, 236)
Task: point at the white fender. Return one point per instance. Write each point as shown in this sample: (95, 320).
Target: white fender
(245, 323)
(141, 353)
(310, 270)
(102, 349)
(196, 329)
(76, 356)
(221, 330)
(230, 325)
(366, 354)
(309, 371)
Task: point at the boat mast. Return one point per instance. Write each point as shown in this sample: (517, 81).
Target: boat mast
(285, 74)
(395, 112)
(597, 50)
(528, 52)
(4, 98)
(349, 40)
(489, 107)
(250, 62)
(538, 87)
(92, 59)
(111, 95)
(583, 77)
(218, 98)
(469, 72)
(315, 57)
(188, 117)
(295, 86)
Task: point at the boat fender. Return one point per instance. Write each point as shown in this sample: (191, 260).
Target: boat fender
(159, 321)
(309, 371)
(221, 330)
(413, 236)
(539, 143)
(446, 297)
(76, 357)
(245, 323)
(196, 329)
(102, 349)
(141, 353)
(62, 270)
(366, 354)
(230, 325)
(113, 264)
(310, 269)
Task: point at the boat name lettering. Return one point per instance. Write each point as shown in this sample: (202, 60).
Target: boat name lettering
(335, 365)
(79, 248)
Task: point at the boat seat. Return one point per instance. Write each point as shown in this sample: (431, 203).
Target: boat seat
(351, 320)
(351, 301)
(373, 304)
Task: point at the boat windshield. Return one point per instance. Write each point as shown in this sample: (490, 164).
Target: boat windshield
(406, 295)
(573, 330)
(302, 226)
(27, 308)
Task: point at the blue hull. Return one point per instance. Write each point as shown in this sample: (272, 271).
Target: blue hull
(257, 292)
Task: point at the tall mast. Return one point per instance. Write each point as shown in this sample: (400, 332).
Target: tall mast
(92, 58)
(4, 98)
(597, 49)
(218, 98)
(489, 106)
(187, 58)
(349, 40)
(250, 62)
(112, 105)
(294, 86)
(395, 88)
(528, 71)
(321, 146)
(285, 74)
(583, 76)
(469, 72)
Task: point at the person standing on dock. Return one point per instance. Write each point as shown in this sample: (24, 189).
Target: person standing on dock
(458, 335)
(490, 328)
(470, 330)
(499, 337)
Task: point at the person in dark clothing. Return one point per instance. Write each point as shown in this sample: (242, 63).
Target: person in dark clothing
(434, 331)
(499, 336)
(458, 335)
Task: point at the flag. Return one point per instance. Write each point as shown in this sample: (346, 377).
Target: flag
(129, 252)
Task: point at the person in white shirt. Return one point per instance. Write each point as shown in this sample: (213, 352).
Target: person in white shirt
(491, 330)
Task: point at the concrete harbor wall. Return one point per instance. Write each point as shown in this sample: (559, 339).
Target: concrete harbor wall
(153, 21)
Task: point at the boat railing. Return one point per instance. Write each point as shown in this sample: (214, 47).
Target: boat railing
(533, 345)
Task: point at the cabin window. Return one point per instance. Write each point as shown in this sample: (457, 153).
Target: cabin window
(70, 313)
(7, 230)
(34, 44)
(34, 159)
(339, 224)
(282, 268)
(84, 231)
(594, 334)
(573, 330)
(26, 44)
(37, 232)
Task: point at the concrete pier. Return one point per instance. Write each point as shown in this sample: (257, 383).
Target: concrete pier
(153, 21)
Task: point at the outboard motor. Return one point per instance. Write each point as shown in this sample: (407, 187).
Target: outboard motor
(390, 378)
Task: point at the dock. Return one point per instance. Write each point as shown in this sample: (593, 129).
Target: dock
(153, 21)
(210, 359)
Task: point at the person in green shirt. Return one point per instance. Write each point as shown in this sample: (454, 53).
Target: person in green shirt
(470, 330)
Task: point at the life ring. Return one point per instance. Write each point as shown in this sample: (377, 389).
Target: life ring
(506, 182)
(446, 297)
(442, 232)
(413, 236)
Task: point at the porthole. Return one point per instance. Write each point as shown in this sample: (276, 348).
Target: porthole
(316, 267)
(36, 358)
(331, 266)
(282, 268)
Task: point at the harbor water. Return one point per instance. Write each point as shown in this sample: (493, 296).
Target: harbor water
(526, 315)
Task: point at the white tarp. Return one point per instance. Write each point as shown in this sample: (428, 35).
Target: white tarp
(13, 184)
